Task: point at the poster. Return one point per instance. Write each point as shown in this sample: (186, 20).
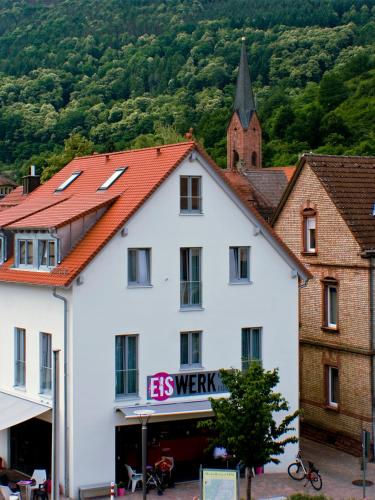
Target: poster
(219, 484)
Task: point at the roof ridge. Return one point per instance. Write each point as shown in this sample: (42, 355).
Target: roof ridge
(164, 146)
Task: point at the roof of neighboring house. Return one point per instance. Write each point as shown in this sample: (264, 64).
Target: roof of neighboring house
(12, 199)
(146, 171)
(5, 181)
(350, 183)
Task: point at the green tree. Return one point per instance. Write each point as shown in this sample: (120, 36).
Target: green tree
(332, 91)
(245, 422)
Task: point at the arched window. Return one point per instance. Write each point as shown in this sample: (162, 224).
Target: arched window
(236, 159)
(254, 159)
(309, 231)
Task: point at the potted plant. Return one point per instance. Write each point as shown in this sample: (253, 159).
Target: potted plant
(121, 489)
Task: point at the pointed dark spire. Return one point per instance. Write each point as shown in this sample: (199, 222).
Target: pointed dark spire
(244, 102)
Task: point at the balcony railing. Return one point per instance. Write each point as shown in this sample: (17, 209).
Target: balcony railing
(191, 293)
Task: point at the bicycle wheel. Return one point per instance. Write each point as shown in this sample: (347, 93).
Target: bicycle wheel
(316, 480)
(296, 471)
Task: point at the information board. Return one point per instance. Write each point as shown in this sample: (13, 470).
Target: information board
(219, 484)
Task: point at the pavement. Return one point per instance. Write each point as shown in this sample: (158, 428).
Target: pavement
(338, 470)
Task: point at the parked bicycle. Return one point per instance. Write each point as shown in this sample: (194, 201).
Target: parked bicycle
(297, 471)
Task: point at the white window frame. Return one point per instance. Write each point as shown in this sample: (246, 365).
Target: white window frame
(26, 240)
(248, 358)
(189, 197)
(333, 404)
(190, 286)
(2, 249)
(190, 363)
(112, 178)
(45, 368)
(35, 238)
(68, 181)
(310, 224)
(235, 262)
(19, 358)
(125, 370)
(48, 242)
(139, 282)
(327, 303)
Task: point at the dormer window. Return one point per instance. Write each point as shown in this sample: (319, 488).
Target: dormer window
(36, 251)
(116, 174)
(68, 181)
(2, 249)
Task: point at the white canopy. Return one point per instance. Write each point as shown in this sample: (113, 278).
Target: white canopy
(14, 410)
(165, 409)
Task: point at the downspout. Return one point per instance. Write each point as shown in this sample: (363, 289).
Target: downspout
(372, 332)
(66, 421)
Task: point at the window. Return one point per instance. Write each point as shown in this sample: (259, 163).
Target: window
(190, 349)
(139, 266)
(239, 264)
(116, 174)
(19, 357)
(126, 365)
(45, 363)
(251, 346)
(25, 253)
(47, 253)
(2, 249)
(330, 303)
(190, 277)
(333, 386)
(68, 181)
(254, 159)
(309, 231)
(190, 194)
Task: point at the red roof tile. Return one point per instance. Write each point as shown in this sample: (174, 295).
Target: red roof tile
(13, 198)
(147, 169)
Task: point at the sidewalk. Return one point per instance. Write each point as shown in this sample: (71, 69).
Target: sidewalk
(338, 470)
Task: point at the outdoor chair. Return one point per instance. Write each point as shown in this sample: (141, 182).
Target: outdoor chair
(40, 477)
(134, 477)
(6, 492)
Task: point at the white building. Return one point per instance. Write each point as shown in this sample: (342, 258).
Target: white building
(166, 274)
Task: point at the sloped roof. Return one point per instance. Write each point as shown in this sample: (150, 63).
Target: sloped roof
(5, 181)
(13, 198)
(146, 170)
(270, 182)
(350, 183)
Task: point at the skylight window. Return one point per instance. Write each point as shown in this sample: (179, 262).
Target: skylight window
(116, 174)
(68, 181)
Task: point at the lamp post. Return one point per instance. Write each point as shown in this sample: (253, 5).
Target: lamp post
(144, 416)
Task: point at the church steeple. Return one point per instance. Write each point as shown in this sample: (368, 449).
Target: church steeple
(244, 133)
(244, 101)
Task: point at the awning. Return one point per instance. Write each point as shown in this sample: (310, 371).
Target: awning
(165, 409)
(14, 410)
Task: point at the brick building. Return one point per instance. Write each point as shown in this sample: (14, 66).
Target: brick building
(263, 187)
(327, 217)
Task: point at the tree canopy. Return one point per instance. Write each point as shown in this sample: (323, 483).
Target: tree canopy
(116, 70)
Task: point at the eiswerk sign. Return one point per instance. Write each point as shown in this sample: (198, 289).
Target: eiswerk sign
(162, 385)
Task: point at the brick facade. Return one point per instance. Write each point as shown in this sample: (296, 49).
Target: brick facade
(244, 146)
(349, 346)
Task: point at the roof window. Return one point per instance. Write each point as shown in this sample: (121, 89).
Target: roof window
(116, 174)
(68, 181)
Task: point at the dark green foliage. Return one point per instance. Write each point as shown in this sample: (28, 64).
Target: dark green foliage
(111, 70)
(245, 422)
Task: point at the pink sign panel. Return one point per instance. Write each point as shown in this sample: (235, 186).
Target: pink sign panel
(160, 386)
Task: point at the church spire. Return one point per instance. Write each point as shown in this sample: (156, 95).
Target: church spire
(244, 132)
(244, 103)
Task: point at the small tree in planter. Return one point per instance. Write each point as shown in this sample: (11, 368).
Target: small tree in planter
(245, 422)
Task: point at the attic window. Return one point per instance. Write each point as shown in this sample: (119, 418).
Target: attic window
(68, 181)
(116, 174)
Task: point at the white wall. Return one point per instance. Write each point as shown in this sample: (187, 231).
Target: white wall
(104, 307)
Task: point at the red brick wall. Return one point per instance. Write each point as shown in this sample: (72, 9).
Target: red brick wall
(338, 256)
(244, 142)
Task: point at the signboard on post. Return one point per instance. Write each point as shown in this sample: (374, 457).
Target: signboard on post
(219, 484)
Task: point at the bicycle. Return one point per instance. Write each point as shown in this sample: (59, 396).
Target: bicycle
(298, 472)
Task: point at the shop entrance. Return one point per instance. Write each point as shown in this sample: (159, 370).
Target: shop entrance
(181, 439)
(31, 445)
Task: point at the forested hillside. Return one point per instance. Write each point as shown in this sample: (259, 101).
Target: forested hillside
(114, 74)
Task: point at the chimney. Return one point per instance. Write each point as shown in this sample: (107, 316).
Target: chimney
(31, 181)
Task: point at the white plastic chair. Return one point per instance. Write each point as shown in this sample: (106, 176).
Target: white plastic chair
(134, 477)
(40, 477)
(6, 492)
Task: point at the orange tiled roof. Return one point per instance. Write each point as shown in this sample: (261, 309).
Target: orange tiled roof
(147, 169)
(12, 199)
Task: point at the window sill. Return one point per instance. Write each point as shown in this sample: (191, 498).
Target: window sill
(47, 395)
(190, 368)
(21, 388)
(130, 397)
(331, 408)
(330, 329)
(309, 254)
(190, 213)
(140, 286)
(191, 308)
(244, 282)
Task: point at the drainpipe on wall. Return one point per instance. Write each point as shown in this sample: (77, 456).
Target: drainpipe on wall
(66, 421)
